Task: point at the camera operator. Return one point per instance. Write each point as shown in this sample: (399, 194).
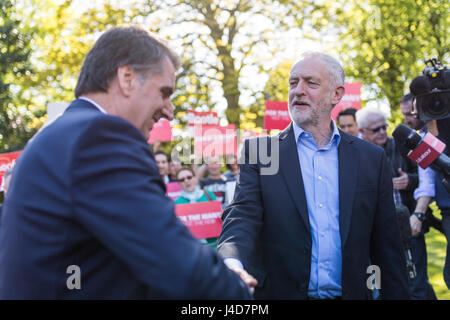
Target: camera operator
(431, 186)
(419, 225)
(431, 104)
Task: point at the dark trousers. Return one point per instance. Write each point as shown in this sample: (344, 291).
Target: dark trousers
(446, 227)
(419, 287)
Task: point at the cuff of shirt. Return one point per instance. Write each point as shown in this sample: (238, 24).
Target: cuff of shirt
(233, 263)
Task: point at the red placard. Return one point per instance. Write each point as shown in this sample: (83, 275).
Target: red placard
(206, 118)
(7, 160)
(173, 190)
(215, 140)
(162, 131)
(351, 99)
(203, 219)
(277, 115)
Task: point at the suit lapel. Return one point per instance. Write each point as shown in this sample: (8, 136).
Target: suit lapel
(348, 170)
(291, 172)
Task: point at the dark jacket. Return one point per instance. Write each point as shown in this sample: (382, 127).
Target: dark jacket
(267, 226)
(86, 193)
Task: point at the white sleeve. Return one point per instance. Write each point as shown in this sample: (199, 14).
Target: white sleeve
(233, 263)
(426, 183)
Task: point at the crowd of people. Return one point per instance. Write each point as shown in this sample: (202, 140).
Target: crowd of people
(87, 191)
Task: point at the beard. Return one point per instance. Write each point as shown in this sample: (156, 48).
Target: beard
(311, 115)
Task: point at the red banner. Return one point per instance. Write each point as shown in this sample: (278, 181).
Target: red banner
(215, 140)
(351, 99)
(173, 190)
(7, 160)
(162, 131)
(202, 118)
(277, 115)
(203, 219)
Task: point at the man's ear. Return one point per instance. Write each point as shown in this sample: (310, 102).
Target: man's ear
(126, 79)
(338, 94)
(361, 131)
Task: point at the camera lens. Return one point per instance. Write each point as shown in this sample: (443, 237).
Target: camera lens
(434, 105)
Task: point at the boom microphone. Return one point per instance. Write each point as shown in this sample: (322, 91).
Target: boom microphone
(420, 85)
(424, 152)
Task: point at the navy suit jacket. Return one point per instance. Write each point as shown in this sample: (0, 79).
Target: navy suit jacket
(267, 225)
(86, 191)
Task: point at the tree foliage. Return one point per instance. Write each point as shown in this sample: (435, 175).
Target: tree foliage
(222, 40)
(14, 65)
(385, 42)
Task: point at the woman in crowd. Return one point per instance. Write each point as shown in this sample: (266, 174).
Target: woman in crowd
(192, 194)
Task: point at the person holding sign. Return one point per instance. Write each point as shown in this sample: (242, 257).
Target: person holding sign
(193, 194)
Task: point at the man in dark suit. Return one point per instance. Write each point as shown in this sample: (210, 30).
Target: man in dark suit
(309, 229)
(87, 216)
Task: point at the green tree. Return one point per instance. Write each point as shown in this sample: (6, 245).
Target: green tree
(384, 42)
(222, 38)
(276, 88)
(15, 122)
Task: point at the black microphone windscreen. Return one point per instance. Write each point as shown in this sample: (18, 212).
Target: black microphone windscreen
(406, 136)
(420, 85)
(447, 79)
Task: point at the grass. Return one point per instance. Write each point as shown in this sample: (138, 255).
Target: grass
(436, 249)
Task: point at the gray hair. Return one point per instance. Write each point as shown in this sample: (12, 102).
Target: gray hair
(117, 47)
(366, 114)
(335, 70)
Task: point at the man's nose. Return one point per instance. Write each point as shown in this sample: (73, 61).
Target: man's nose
(167, 110)
(299, 88)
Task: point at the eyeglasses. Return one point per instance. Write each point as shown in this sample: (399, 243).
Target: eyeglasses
(375, 130)
(185, 178)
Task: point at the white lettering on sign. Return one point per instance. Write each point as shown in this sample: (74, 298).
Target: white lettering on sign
(7, 166)
(209, 119)
(351, 97)
(423, 156)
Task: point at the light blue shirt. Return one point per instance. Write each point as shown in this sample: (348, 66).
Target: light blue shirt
(320, 173)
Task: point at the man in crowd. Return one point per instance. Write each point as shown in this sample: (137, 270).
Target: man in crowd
(347, 122)
(215, 181)
(309, 230)
(162, 161)
(86, 215)
(372, 123)
(431, 186)
(174, 166)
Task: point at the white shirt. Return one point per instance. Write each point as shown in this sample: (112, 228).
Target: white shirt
(94, 103)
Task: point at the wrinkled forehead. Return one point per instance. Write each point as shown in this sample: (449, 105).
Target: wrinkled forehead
(312, 67)
(346, 118)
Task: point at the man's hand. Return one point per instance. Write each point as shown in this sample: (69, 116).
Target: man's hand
(247, 278)
(416, 225)
(401, 182)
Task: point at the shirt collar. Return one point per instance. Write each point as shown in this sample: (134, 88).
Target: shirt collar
(94, 103)
(335, 136)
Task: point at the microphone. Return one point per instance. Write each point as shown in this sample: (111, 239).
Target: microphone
(424, 152)
(420, 85)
